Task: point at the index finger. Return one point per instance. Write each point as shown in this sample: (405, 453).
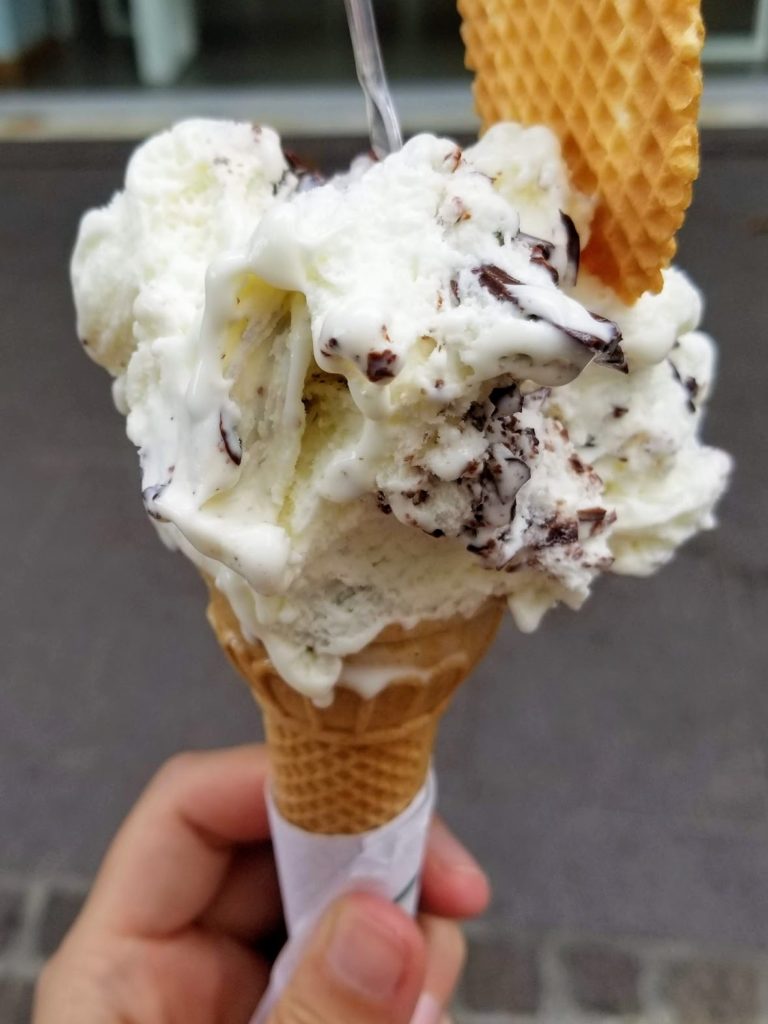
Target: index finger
(172, 853)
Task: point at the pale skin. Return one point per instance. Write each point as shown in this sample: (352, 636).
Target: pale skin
(171, 930)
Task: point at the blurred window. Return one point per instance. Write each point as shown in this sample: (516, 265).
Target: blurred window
(193, 43)
(738, 31)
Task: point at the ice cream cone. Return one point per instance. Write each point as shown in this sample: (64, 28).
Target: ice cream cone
(356, 764)
(619, 81)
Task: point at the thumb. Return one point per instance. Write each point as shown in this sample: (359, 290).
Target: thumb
(364, 964)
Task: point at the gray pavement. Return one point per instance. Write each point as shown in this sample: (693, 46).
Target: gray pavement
(609, 771)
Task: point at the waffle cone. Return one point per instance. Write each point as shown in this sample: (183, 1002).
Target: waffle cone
(352, 766)
(619, 81)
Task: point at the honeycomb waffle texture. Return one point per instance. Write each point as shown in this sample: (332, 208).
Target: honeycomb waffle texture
(619, 81)
(358, 763)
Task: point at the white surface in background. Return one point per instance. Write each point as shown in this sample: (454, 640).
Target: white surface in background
(308, 109)
(165, 37)
(444, 107)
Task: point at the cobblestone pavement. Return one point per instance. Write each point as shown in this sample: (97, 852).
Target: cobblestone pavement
(609, 771)
(510, 979)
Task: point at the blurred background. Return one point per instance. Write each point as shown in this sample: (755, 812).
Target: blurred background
(609, 771)
(111, 67)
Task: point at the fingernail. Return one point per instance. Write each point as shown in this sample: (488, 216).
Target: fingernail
(450, 852)
(428, 1011)
(365, 955)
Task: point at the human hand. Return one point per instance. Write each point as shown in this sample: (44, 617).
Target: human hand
(187, 891)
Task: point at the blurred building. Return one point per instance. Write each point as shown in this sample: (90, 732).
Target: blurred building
(68, 66)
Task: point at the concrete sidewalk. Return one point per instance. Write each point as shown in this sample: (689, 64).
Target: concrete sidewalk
(609, 771)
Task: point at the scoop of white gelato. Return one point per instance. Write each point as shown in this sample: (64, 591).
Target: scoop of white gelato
(385, 398)
(191, 193)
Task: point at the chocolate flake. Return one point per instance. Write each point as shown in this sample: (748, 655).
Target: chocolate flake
(476, 416)
(382, 503)
(508, 401)
(689, 384)
(379, 365)
(577, 465)
(506, 473)
(233, 446)
(592, 515)
(692, 386)
(572, 249)
(597, 519)
(330, 347)
(417, 497)
(540, 260)
(149, 496)
(541, 244)
(561, 531)
(454, 158)
(607, 353)
(541, 253)
(758, 224)
(616, 359)
(455, 290)
(485, 549)
(497, 282)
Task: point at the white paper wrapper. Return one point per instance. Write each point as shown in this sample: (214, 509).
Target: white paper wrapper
(315, 869)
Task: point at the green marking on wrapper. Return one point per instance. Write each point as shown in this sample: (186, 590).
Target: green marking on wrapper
(406, 892)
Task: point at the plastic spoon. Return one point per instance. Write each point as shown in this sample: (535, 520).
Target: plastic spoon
(383, 125)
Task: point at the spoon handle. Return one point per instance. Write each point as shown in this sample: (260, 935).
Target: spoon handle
(383, 124)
